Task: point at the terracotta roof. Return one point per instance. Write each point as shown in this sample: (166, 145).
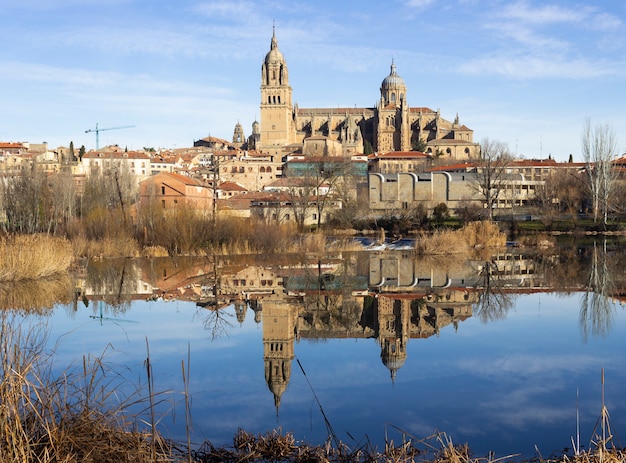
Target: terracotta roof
(243, 201)
(323, 159)
(215, 140)
(11, 145)
(532, 162)
(116, 155)
(231, 186)
(181, 178)
(286, 182)
(399, 155)
(451, 167)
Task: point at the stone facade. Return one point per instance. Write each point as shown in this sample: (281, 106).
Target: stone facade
(390, 126)
(392, 192)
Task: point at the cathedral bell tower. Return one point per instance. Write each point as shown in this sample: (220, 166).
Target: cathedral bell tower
(276, 106)
(392, 121)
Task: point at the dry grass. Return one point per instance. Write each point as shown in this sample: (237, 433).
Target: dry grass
(79, 416)
(105, 247)
(75, 417)
(25, 257)
(472, 237)
(36, 296)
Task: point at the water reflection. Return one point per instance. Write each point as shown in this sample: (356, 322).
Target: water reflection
(596, 310)
(353, 294)
(391, 297)
(36, 296)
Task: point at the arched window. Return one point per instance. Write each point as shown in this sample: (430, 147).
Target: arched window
(269, 99)
(269, 169)
(393, 97)
(241, 170)
(278, 99)
(262, 169)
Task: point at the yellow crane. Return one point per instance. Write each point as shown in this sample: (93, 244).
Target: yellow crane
(98, 130)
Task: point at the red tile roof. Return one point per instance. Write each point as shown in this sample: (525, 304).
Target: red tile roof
(231, 186)
(399, 155)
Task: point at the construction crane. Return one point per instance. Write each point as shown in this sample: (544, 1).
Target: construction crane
(98, 130)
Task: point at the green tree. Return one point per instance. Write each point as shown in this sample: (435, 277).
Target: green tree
(367, 147)
(419, 145)
(440, 213)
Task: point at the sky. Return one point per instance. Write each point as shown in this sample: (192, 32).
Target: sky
(162, 74)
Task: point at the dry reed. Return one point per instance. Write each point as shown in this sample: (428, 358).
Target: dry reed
(25, 257)
(473, 236)
(105, 247)
(36, 296)
(77, 416)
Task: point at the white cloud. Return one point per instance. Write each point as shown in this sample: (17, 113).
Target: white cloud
(419, 3)
(233, 11)
(545, 14)
(537, 67)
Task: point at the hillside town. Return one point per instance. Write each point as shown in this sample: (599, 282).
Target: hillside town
(312, 166)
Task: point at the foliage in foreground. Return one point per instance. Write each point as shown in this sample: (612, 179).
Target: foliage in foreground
(79, 415)
(24, 257)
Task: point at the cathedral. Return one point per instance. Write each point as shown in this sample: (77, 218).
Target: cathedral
(392, 125)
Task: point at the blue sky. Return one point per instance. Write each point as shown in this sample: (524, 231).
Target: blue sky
(527, 73)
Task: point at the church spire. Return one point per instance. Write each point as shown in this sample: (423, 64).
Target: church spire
(274, 42)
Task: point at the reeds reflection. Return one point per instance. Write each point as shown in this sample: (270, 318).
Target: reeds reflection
(374, 328)
(36, 296)
(596, 303)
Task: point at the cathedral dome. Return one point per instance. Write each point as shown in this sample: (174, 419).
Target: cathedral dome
(274, 56)
(393, 80)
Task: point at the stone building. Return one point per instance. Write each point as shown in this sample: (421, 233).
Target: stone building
(392, 125)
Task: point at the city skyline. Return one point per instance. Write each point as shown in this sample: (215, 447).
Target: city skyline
(525, 73)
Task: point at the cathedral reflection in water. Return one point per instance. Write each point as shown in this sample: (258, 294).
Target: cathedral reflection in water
(390, 296)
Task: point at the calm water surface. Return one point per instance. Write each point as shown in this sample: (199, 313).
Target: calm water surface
(504, 370)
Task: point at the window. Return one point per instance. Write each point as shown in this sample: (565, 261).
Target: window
(162, 190)
(163, 203)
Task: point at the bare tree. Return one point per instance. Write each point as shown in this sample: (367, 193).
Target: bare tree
(27, 201)
(599, 145)
(560, 194)
(596, 315)
(316, 189)
(491, 172)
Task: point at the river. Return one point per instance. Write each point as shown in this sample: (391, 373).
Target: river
(511, 353)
